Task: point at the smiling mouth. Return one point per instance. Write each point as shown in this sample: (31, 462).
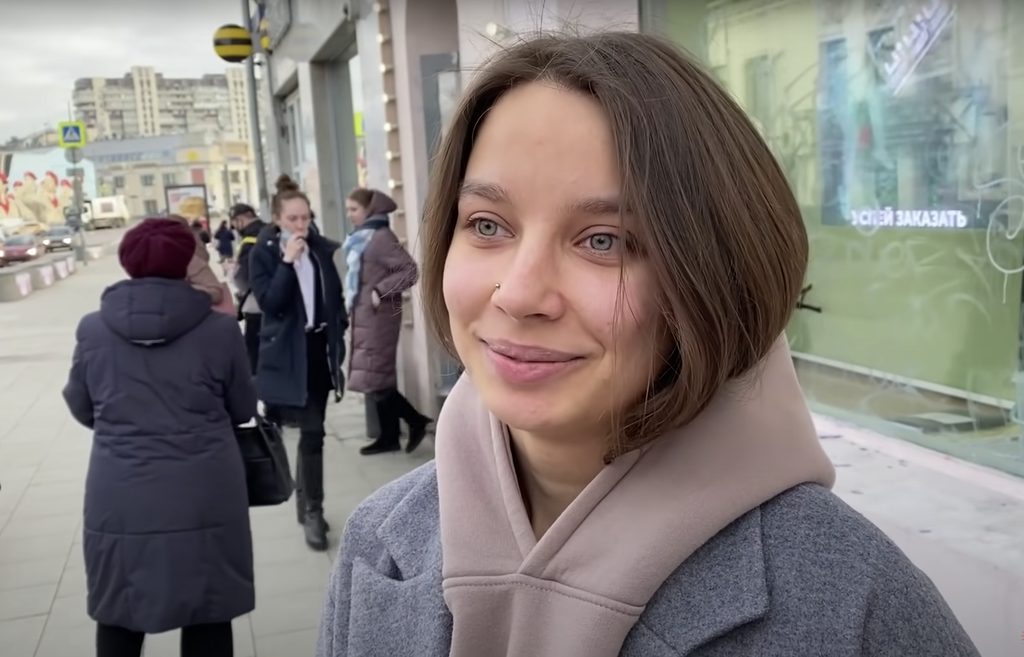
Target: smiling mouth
(529, 354)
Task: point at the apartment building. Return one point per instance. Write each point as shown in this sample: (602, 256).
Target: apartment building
(145, 103)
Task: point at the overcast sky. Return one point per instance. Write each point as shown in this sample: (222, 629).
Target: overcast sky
(47, 44)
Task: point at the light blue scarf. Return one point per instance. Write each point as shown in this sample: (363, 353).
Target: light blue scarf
(355, 245)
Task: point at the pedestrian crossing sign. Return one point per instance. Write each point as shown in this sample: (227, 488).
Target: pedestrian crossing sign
(71, 134)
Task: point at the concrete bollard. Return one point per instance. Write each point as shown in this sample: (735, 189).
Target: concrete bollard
(43, 275)
(15, 284)
(60, 268)
(71, 264)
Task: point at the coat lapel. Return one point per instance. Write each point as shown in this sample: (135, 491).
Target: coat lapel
(401, 610)
(721, 587)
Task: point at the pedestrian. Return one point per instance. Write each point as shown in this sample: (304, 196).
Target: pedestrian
(249, 226)
(200, 231)
(379, 271)
(162, 381)
(628, 465)
(297, 286)
(225, 238)
(200, 274)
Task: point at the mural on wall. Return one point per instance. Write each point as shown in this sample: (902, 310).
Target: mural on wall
(33, 188)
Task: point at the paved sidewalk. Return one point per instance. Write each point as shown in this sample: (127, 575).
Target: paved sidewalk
(43, 458)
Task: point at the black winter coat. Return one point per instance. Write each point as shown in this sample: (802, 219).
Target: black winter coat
(281, 372)
(162, 380)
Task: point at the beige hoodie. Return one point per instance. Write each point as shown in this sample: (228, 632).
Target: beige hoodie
(200, 275)
(579, 590)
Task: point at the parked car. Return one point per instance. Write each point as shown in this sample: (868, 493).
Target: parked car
(58, 238)
(21, 248)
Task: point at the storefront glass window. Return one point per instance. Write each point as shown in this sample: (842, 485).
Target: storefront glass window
(899, 127)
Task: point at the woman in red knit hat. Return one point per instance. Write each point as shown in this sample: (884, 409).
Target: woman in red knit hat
(162, 381)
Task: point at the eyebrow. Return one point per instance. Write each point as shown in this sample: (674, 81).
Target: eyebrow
(495, 193)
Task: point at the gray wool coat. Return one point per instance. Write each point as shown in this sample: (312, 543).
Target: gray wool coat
(388, 269)
(161, 380)
(804, 575)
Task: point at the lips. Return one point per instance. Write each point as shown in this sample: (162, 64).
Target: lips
(523, 365)
(528, 354)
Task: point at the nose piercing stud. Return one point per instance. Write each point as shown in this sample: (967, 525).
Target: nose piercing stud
(497, 286)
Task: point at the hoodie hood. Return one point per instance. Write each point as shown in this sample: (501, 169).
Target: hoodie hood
(153, 311)
(380, 205)
(580, 588)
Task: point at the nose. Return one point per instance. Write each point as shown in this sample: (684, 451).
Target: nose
(530, 286)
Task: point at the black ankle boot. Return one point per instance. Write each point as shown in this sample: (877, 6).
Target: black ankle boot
(300, 496)
(417, 433)
(314, 527)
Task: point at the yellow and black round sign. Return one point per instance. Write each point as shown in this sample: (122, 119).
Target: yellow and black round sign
(232, 43)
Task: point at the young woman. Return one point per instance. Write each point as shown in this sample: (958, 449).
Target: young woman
(162, 380)
(297, 286)
(628, 466)
(379, 271)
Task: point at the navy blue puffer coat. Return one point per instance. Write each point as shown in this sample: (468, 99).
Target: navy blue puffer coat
(162, 379)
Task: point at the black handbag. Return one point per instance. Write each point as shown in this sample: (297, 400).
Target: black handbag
(267, 474)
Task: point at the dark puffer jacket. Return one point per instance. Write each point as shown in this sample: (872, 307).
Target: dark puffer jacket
(281, 376)
(389, 270)
(162, 379)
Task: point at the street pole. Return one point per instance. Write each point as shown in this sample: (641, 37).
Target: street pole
(226, 180)
(81, 253)
(254, 118)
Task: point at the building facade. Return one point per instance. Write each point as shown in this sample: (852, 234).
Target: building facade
(144, 103)
(142, 170)
(896, 123)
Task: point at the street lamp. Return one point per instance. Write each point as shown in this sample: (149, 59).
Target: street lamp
(234, 44)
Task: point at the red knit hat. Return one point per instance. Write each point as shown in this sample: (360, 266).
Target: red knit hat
(157, 248)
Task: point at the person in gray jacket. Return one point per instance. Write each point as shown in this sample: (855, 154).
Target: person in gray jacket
(162, 381)
(628, 467)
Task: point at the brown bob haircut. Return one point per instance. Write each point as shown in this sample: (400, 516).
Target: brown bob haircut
(705, 197)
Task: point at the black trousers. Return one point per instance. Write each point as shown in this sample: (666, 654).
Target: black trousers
(392, 408)
(253, 323)
(215, 640)
(318, 390)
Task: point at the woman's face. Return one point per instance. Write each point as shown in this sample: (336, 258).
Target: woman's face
(294, 217)
(570, 335)
(356, 212)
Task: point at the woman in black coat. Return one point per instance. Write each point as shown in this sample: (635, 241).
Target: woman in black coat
(297, 286)
(162, 380)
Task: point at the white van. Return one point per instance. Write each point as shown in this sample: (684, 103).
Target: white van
(105, 212)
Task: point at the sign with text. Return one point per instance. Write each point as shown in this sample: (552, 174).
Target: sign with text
(896, 218)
